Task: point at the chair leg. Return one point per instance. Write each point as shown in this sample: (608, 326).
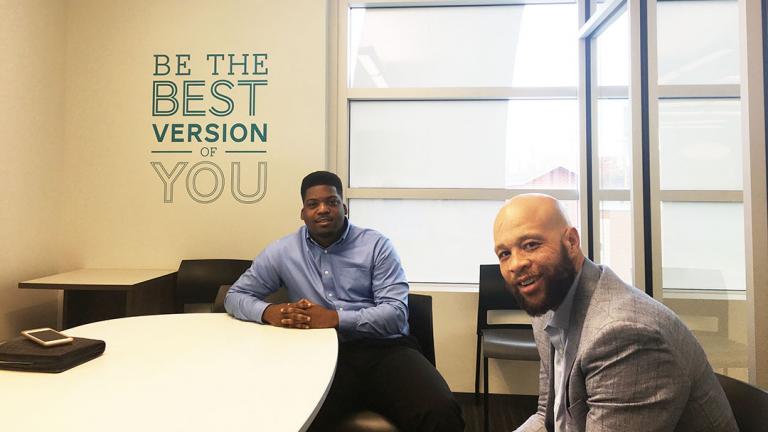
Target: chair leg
(486, 419)
(477, 371)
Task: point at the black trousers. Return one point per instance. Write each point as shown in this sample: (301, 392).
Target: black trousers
(393, 378)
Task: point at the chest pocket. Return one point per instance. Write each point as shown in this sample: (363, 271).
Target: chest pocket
(355, 282)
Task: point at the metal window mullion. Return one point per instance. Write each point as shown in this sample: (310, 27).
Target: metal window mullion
(703, 91)
(636, 86)
(594, 146)
(695, 196)
(448, 3)
(613, 195)
(462, 93)
(453, 194)
(613, 92)
(598, 21)
(342, 83)
(751, 33)
(654, 152)
(585, 134)
(333, 102)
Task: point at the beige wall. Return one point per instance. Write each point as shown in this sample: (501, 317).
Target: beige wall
(115, 212)
(31, 168)
(76, 114)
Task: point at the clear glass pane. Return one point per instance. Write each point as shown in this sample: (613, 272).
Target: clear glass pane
(442, 240)
(613, 143)
(720, 325)
(698, 42)
(702, 246)
(702, 249)
(704, 136)
(613, 53)
(464, 144)
(487, 46)
(616, 238)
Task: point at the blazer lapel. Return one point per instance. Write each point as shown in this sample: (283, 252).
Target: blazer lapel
(590, 275)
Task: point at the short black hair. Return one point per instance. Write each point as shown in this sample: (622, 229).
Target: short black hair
(320, 178)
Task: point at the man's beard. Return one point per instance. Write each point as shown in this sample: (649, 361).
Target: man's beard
(556, 286)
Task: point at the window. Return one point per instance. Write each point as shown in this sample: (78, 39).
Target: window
(698, 208)
(669, 175)
(446, 111)
(450, 110)
(699, 145)
(612, 143)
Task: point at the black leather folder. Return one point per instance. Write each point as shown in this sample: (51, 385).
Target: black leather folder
(22, 354)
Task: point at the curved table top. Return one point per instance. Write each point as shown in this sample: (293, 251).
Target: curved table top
(184, 372)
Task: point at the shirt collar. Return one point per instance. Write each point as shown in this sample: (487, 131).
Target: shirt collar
(341, 239)
(561, 317)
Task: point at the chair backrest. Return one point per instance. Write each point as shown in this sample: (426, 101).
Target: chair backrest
(198, 281)
(749, 403)
(493, 295)
(420, 322)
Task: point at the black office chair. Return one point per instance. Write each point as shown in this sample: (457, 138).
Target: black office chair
(501, 341)
(749, 403)
(199, 281)
(420, 322)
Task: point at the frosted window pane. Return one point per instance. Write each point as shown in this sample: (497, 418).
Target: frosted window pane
(437, 240)
(613, 143)
(489, 46)
(599, 5)
(616, 238)
(613, 53)
(702, 246)
(700, 144)
(698, 42)
(464, 144)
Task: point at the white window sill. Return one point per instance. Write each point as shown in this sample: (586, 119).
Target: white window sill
(443, 287)
(669, 293)
(693, 294)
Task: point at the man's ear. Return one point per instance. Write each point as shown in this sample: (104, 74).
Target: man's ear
(301, 214)
(572, 239)
(346, 210)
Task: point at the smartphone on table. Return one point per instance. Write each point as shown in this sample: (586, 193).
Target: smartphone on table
(47, 337)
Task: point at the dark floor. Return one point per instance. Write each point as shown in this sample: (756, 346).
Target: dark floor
(506, 412)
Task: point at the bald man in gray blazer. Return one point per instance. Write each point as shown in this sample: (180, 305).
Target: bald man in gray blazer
(613, 358)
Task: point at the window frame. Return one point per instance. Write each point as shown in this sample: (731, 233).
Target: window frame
(339, 153)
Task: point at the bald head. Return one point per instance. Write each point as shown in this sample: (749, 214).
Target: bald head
(530, 209)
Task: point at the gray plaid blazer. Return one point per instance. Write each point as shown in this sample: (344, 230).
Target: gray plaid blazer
(632, 366)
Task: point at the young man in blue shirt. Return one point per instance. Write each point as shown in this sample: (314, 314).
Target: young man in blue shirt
(346, 277)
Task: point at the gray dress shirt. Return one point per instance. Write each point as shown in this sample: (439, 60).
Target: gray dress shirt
(557, 329)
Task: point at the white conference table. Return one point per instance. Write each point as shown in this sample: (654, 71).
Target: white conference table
(183, 372)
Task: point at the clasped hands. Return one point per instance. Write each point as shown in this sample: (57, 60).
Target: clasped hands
(301, 315)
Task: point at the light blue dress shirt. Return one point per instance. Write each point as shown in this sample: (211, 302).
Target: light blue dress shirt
(557, 329)
(359, 276)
